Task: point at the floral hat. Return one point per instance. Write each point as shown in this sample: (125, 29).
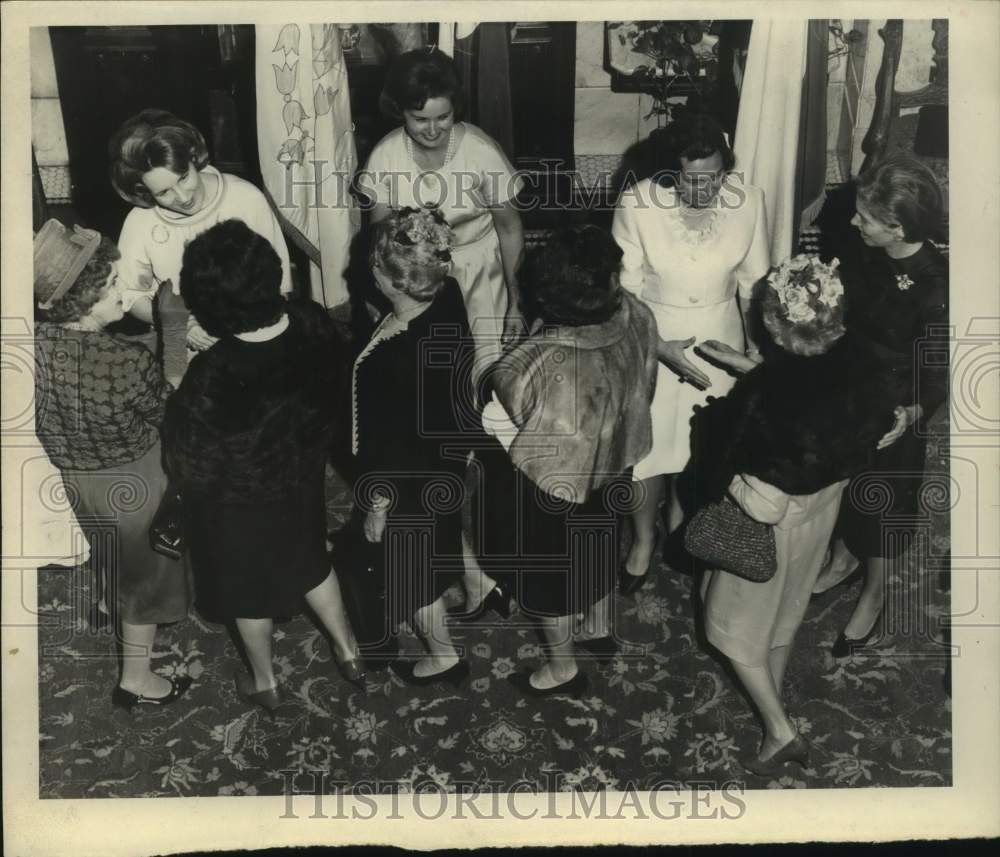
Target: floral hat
(803, 307)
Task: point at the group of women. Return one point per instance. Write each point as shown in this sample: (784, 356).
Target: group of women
(565, 382)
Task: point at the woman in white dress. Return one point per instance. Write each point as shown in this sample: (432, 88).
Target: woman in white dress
(159, 163)
(695, 244)
(434, 160)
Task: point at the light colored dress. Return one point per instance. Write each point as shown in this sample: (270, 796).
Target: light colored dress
(689, 279)
(744, 619)
(476, 179)
(152, 240)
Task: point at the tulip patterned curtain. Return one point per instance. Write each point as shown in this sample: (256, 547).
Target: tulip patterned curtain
(306, 142)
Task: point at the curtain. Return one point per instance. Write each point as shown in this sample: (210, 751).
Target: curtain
(306, 141)
(482, 55)
(769, 129)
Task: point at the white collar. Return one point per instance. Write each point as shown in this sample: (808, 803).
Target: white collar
(263, 334)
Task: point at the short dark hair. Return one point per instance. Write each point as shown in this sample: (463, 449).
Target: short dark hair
(691, 137)
(417, 76)
(572, 280)
(88, 287)
(899, 190)
(231, 279)
(150, 139)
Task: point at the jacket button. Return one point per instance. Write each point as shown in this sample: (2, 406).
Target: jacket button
(693, 300)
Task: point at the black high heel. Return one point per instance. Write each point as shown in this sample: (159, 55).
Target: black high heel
(126, 700)
(454, 675)
(601, 649)
(844, 646)
(270, 700)
(573, 687)
(796, 750)
(629, 583)
(496, 600)
(353, 672)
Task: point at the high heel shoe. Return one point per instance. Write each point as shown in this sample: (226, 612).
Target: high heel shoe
(573, 687)
(454, 675)
(496, 600)
(796, 750)
(601, 649)
(270, 699)
(353, 672)
(844, 646)
(846, 575)
(629, 583)
(127, 700)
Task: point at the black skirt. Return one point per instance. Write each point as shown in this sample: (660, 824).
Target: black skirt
(882, 509)
(558, 558)
(257, 560)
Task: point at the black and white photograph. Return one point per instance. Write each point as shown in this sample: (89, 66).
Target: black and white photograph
(437, 420)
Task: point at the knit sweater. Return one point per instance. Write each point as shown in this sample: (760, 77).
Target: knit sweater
(99, 400)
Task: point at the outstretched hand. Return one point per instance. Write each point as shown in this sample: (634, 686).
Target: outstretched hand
(726, 355)
(671, 354)
(905, 417)
(375, 525)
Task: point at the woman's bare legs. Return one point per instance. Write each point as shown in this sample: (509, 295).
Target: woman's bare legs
(256, 635)
(137, 649)
(644, 527)
(476, 582)
(433, 629)
(778, 660)
(675, 511)
(870, 602)
(840, 566)
(561, 664)
(597, 620)
(327, 603)
(760, 684)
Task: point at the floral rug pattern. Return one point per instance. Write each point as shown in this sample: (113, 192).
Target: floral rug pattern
(670, 713)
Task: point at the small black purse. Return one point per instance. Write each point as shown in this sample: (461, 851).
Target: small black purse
(166, 531)
(723, 536)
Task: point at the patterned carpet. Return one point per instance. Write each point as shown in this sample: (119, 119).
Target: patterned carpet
(669, 714)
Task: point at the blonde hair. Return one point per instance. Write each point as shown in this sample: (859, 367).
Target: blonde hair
(413, 246)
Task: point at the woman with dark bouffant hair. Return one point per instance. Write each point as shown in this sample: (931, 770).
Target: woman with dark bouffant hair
(571, 417)
(247, 436)
(782, 444)
(435, 160)
(897, 287)
(695, 243)
(160, 164)
(99, 401)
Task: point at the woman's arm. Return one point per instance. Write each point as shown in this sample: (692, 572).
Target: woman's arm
(507, 223)
(760, 500)
(753, 267)
(728, 356)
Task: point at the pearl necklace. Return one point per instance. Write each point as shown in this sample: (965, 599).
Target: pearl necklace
(449, 150)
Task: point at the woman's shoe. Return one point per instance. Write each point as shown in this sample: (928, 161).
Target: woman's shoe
(574, 687)
(847, 574)
(602, 649)
(270, 699)
(454, 675)
(844, 647)
(353, 672)
(629, 583)
(127, 700)
(496, 600)
(796, 750)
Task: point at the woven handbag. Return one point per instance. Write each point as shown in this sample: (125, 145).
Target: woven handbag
(723, 536)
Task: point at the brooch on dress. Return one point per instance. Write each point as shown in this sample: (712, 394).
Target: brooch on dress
(903, 281)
